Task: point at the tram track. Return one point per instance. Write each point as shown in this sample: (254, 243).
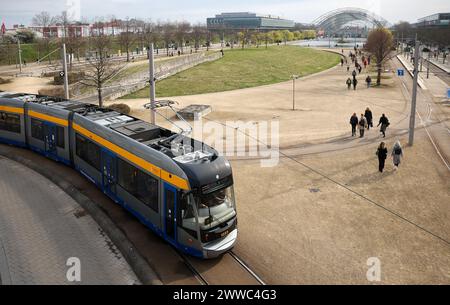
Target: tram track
(217, 271)
(246, 267)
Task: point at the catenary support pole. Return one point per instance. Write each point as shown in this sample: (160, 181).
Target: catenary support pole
(152, 82)
(412, 121)
(66, 77)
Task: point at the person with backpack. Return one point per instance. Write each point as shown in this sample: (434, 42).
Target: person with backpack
(384, 122)
(362, 126)
(349, 83)
(397, 154)
(354, 123)
(382, 156)
(369, 117)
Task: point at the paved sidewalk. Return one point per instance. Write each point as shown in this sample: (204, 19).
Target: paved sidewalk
(41, 227)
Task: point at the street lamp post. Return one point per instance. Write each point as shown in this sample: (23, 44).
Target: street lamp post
(294, 77)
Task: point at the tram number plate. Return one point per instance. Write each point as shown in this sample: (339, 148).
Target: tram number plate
(224, 233)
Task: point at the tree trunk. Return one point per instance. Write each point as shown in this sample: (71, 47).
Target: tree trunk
(379, 75)
(100, 98)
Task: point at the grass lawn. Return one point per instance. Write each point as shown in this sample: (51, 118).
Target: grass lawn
(244, 69)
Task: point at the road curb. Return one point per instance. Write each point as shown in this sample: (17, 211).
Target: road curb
(139, 265)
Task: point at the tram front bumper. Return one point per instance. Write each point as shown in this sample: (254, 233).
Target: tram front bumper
(216, 248)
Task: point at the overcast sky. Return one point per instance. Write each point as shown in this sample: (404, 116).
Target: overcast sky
(22, 11)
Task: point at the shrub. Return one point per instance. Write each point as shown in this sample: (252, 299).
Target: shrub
(121, 108)
(56, 91)
(4, 80)
(73, 77)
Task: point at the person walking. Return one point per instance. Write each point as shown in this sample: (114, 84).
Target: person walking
(349, 83)
(397, 154)
(342, 62)
(348, 68)
(369, 117)
(354, 73)
(355, 83)
(382, 156)
(362, 126)
(384, 122)
(368, 81)
(354, 123)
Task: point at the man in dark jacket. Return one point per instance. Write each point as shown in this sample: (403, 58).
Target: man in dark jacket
(384, 122)
(354, 123)
(369, 117)
(382, 155)
(355, 83)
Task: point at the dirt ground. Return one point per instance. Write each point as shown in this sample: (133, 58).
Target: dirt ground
(318, 216)
(303, 227)
(26, 84)
(323, 104)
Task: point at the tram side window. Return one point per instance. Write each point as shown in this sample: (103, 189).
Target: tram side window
(88, 151)
(9, 122)
(37, 129)
(139, 184)
(60, 139)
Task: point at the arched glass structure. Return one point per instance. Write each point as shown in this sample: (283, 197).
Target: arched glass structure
(349, 21)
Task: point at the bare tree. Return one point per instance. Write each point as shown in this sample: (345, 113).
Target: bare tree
(8, 51)
(198, 35)
(44, 20)
(182, 30)
(379, 44)
(127, 37)
(168, 30)
(100, 67)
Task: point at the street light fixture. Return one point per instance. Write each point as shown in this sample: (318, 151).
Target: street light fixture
(294, 77)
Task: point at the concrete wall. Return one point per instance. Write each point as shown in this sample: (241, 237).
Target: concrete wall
(163, 69)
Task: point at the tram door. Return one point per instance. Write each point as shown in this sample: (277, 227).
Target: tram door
(170, 206)
(50, 139)
(109, 169)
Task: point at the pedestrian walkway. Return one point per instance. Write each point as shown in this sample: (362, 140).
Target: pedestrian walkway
(440, 63)
(410, 68)
(41, 227)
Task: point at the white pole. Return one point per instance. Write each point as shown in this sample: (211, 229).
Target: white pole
(152, 83)
(412, 121)
(66, 79)
(293, 93)
(20, 55)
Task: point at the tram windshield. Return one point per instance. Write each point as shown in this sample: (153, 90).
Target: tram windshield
(215, 208)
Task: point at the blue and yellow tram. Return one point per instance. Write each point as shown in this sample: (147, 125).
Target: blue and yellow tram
(180, 188)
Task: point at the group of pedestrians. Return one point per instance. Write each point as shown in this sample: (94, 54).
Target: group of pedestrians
(366, 122)
(396, 154)
(358, 69)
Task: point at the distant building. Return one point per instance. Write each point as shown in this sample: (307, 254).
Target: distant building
(58, 31)
(436, 20)
(248, 21)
